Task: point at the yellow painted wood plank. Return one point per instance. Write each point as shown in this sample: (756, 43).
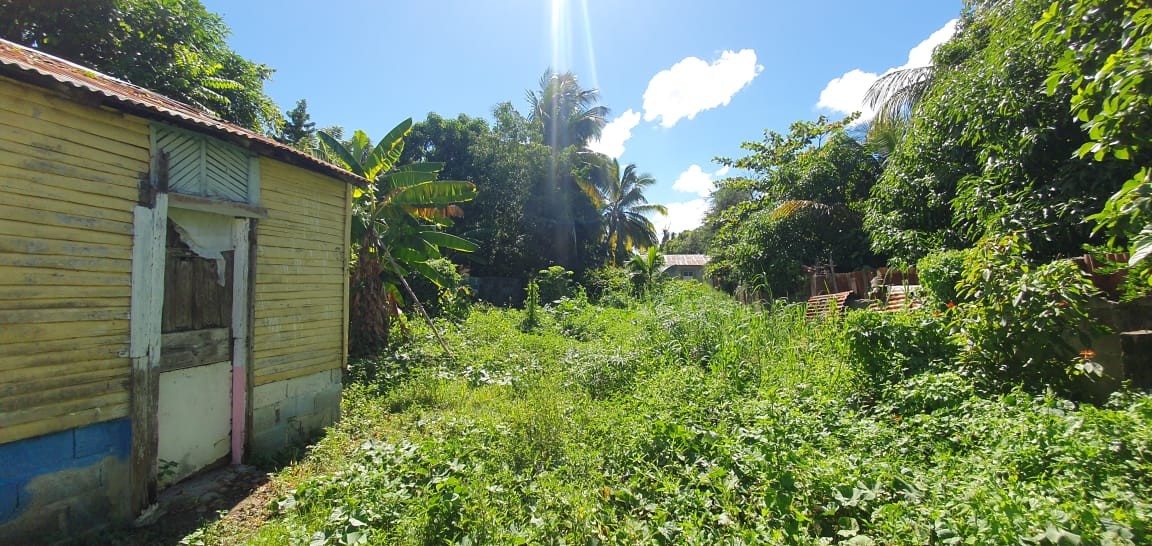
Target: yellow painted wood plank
(17, 110)
(61, 233)
(333, 253)
(82, 367)
(42, 204)
(300, 280)
(37, 276)
(46, 247)
(266, 294)
(270, 339)
(69, 351)
(324, 361)
(9, 293)
(66, 303)
(331, 345)
(293, 374)
(14, 333)
(59, 423)
(49, 218)
(69, 201)
(317, 201)
(76, 132)
(70, 263)
(65, 387)
(28, 415)
(34, 173)
(292, 330)
(303, 231)
(314, 317)
(276, 308)
(45, 316)
(19, 91)
(66, 153)
(294, 358)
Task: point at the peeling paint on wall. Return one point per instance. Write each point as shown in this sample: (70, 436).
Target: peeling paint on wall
(208, 235)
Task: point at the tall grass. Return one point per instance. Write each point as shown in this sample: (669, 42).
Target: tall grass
(695, 420)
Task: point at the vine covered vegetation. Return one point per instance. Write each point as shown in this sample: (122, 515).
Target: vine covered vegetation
(690, 419)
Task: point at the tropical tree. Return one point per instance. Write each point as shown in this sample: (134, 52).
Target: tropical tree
(1106, 46)
(567, 118)
(644, 267)
(566, 113)
(397, 224)
(620, 197)
(174, 47)
(298, 129)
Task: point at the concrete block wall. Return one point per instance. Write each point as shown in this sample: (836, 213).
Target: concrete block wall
(66, 484)
(291, 412)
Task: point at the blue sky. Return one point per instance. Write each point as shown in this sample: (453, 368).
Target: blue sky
(685, 80)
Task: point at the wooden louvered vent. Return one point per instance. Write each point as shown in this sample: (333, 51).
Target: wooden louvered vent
(203, 166)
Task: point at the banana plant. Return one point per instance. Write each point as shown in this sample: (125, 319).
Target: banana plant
(398, 219)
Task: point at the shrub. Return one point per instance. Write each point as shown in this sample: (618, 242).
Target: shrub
(609, 287)
(1019, 321)
(939, 273)
(889, 347)
(555, 283)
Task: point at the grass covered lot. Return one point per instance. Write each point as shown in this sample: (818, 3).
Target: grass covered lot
(694, 420)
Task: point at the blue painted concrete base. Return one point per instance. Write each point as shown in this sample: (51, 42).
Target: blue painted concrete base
(67, 481)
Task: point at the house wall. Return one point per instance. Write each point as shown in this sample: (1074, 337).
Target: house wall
(678, 271)
(68, 183)
(69, 176)
(300, 308)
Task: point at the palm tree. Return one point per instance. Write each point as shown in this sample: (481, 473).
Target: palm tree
(644, 268)
(568, 118)
(567, 114)
(620, 197)
(893, 97)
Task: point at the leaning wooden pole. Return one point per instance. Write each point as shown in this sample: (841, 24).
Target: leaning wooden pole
(415, 300)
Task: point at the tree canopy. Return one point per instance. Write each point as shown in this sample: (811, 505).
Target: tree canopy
(174, 47)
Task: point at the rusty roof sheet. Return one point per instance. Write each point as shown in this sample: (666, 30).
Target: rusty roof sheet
(44, 70)
(686, 259)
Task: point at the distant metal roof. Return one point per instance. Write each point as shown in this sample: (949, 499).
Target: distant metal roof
(686, 259)
(44, 70)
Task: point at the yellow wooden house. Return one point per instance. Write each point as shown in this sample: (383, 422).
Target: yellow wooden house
(173, 295)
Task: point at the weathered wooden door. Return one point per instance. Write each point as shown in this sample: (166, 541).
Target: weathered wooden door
(195, 398)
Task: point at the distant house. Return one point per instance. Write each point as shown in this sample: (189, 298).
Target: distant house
(686, 267)
(173, 295)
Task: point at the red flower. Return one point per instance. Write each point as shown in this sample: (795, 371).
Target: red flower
(951, 305)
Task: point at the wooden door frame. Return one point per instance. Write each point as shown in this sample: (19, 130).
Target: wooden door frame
(150, 223)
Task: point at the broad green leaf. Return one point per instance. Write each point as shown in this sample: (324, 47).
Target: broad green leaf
(447, 240)
(341, 152)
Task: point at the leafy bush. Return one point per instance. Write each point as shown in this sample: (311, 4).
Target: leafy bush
(555, 283)
(939, 274)
(609, 287)
(1019, 321)
(890, 347)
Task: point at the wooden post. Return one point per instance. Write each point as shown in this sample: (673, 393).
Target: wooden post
(241, 339)
(149, 238)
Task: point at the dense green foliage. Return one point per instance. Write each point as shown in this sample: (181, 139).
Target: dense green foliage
(988, 151)
(694, 420)
(1107, 66)
(805, 208)
(174, 47)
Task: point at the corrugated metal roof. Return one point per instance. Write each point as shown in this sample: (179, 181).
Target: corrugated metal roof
(44, 70)
(686, 259)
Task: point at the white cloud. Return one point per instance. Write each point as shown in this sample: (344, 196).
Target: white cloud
(683, 215)
(693, 85)
(846, 93)
(690, 214)
(615, 134)
(694, 180)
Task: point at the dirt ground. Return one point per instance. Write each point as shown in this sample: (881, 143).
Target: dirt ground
(241, 491)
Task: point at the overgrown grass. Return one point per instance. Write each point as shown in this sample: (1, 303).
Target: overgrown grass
(693, 420)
